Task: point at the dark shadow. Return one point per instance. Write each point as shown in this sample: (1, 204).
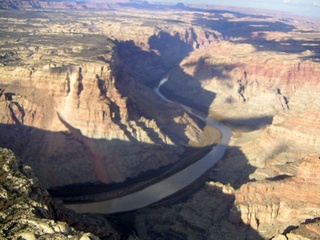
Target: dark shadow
(289, 229)
(233, 169)
(171, 49)
(200, 211)
(30, 144)
(243, 29)
(204, 70)
(148, 67)
(303, 229)
(143, 66)
(117, 119)
(288, 46)
(279, 177)
(253, 32)
(17, 119)
(9, 96)
(189, 87)
(248, 124)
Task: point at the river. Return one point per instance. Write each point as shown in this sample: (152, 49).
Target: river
(166, 187)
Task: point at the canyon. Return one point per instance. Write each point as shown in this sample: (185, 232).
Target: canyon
(78, 106)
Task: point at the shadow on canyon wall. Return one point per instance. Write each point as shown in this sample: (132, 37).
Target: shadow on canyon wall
(252, 32)
(54, 154)
(246, 124)
(39, 149)
(31, 146)
(233, 169)
(149, 67)
(166, 52)
(200, 211)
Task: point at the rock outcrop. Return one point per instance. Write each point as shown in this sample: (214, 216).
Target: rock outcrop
(28, 212)
(308, 230)
(270, 206)
(204, 215)
(283, 206)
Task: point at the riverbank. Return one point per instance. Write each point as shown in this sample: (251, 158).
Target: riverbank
(168, 186)
(92, 192)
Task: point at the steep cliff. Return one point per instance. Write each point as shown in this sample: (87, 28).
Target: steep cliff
(284, 207)
(261, 79)
(272, 205)
(81, 110)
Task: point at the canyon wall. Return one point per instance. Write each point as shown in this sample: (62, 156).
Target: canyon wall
(98, 121)
(264, 86)
(78, 105)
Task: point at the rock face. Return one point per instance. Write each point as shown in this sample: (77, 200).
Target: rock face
(258, 210)
(308, 230)
(96, 121)
(85, 87)
(28, 212)
(82, 109)
(272, 205)
(205, 215)
(265, 86)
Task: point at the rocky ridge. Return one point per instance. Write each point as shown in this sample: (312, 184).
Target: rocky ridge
(44, 4)
(28, 212)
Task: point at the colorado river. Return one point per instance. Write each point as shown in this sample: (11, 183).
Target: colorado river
(166, 187)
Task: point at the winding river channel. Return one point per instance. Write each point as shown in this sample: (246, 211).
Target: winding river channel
(166, 187)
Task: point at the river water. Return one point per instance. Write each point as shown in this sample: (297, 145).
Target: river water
(166, 187)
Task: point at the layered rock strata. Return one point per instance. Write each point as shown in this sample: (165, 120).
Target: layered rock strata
(258, 210)
(308, 230)
(96, 121)
(257, 74)
(82, 109)
(272, 205)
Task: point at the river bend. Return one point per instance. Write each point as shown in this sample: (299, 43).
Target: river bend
(165, 187)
